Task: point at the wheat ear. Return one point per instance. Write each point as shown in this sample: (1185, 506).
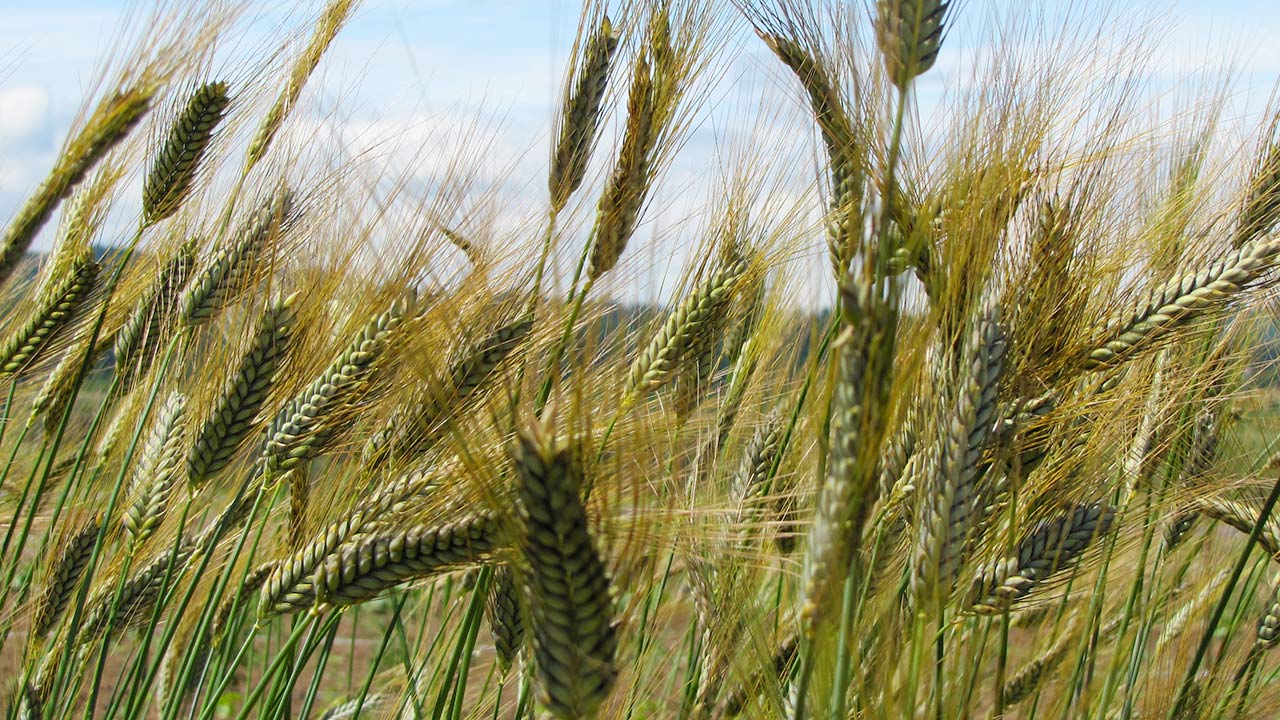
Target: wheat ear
(331, 21)
(139, 338)
(366, 567)
(64, 576)
(572, 612)
(504, 609)
(910, 34)
(1053, 546)
(242, 397)
(684, 327)
(156, 472)
(110, 123)
(26, 345)
(580, 116)
(174, 167)
(953, 504)
(1174, 303)
(231, 267)
(302, 430)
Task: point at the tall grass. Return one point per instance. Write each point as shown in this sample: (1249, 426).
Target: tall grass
(301, 445)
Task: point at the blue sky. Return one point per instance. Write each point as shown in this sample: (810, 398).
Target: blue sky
(413, 69)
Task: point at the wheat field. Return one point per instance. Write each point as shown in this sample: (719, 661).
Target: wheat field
(310, 441)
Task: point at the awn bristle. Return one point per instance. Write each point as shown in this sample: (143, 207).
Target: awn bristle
(580, 116)
(1261, 208)
(572, 612)
(242, 397)
(175, 166)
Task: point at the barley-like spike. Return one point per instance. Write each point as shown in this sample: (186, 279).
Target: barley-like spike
(1028, 678)
(580, 117)
(1054, 545)
(572, 612)
(64, 576)
(365, 567)
(299, 497)
(1261, 208)
(326, 30)
(1242, 516)
(136, 342)
(684, 326)
(355, 706)
(954, 503)
(620, 204)
(290, 583)
(156, 471)
(242, 397)
(32, 338)
(108, 613)
(503, 609)
(232, 265)
(174, 167)
(110, 123)
(910, 34)
(1269, 623)
(300, 430)
(1178, 301)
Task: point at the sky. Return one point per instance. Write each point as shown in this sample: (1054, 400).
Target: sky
(416, 71)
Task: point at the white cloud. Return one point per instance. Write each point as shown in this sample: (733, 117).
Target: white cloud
(24, 117)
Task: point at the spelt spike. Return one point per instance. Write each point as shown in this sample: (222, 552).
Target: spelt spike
(503, 609)
(910, 34)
